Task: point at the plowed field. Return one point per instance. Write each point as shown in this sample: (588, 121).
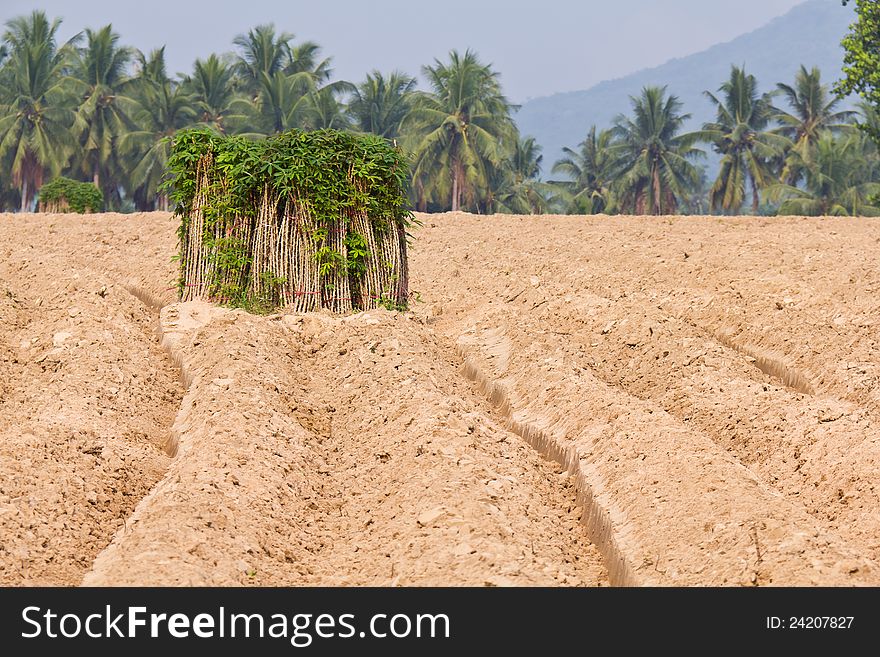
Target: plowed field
(573, 401)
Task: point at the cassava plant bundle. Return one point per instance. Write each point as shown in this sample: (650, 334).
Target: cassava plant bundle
(304, 220)
(66, 195)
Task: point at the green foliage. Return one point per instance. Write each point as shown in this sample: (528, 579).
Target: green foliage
(515, 187)
(63, 194)
(862, 56)
(380, 104)
(840, 179)
(739, 134)
(323, 180)
(459, 133)
(104, 113)
(37, 120)
(329, 261)
(655, 158)
(813, 113)
(590, 171)
(94, 108)
(330, 171)
(358, 251)
(391, 305)
(162, 107)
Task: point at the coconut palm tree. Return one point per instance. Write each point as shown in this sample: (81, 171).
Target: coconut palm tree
(868, 120)
(379, 105)
(151, 68)
(282, 102)
(261, 68)
(323, 108)
(590, 171)
(458, 130)
(162, 108)
(104, 112)
(841, 178)
(262, 54)
(738, 134)
(212, 87)
(36, 114)
(516, 187)
(813, 112)
(283, 83)
(304, 59)
(655, 159)
(696, 200)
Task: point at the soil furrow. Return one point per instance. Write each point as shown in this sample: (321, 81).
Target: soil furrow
(385, 470)
(86, 404)
(707, 387)
(627, 313)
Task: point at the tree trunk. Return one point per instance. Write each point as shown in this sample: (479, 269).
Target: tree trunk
(421, 201)
(24, 194)
(658, 194)
(754, 196)
(455, 190)
(96, 178)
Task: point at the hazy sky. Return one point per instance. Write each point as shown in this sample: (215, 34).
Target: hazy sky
(539, 46)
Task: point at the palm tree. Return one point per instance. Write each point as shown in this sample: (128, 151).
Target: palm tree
(696, 200)
(212, 87)
(304, 59)
(458, 130)
(655, 160)
(104, 111)
(151, 68)
(738, 135)
(36, 135)
(282, 102)
(841, 179)
(163, 107)
(516, 187)
(379, 105)
(283, 81)
(591, 170)
(813, 112)
(323, 108)
(262, 55)
(868, 120)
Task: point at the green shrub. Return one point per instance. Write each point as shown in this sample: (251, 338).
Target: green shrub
(306, 220)
(66, 195)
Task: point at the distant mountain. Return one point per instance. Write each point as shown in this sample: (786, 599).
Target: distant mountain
(809, 34)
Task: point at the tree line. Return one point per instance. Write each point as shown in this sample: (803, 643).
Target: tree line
(802, 155)
(96, 110)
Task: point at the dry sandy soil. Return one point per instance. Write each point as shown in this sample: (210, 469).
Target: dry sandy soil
(570, 401)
